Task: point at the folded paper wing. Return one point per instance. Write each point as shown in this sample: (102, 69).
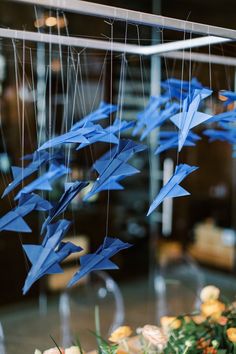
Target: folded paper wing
(100, 260)
(172, 189)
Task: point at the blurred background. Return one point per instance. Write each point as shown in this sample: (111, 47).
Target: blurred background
(171, 259)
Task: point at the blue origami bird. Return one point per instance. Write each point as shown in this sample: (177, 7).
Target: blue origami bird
(169, 140)
(99, 135)
(46, 258)
(157, 119)
(190, 117)
(100, 260)
(71, 137)
(172, 189)
(108, 134)
(229, 95)
(38, 159)
(179, 89)
(71, 190)
(44, 182)
(222, 135)
(226, 117)
(126, 149)
(104, 111)
(150, 113)
(13, 220)
(112, 167)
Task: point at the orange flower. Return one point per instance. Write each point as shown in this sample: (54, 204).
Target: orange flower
(198, 319)
(210, 350)
(168, 323)
(120, 334)
(212, 307)
(187, 319)
(231, 334)
(222, 320)
(202, 343)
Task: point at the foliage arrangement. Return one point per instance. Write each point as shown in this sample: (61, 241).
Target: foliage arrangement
(210, 331)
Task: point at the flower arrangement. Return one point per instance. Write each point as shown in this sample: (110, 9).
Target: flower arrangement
(210, 331)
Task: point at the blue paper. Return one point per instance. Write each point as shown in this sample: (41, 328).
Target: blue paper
(180, 89)
(222, 135)
(38, 159)
(190, 117)
(100, 260)
(172, 189)
(99, 135)
(104, 111)
(157, 119)
(170, 140)
(46, 258)
(44, 182)
(112, 167)
(226, 117)
(107, 134)
(150, 113)
(71, 190)
(71, 137)
(13, 220)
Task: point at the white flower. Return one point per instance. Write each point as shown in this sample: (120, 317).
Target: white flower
(155, 336)
(37, 351)
(210, 292)
(72, 350)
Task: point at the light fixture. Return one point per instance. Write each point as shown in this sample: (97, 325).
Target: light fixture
(51, 21)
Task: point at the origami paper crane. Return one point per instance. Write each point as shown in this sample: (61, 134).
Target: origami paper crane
(44, 182)
(226, 117)
(71, 190)
(179, 89)
(151, 112)
(104, 110)
(190, 117)
(13, 220)
(157, 119)
(100, 260)
(126, 149)
(38, 159)
(71, 137)
(46, 258)
(112, 167)
(223, 135)
(107, 134)
(229, 95)
(172, 189)
(88, 134)
(169, 140)
(99, 135)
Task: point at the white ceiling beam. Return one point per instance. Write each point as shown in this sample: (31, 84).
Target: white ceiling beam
(142, 18)
(109, 45)
(201, 58)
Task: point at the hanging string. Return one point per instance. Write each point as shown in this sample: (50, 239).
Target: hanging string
(17, 85)
(110, 121)
(33, 91)
(141, 68)
(122, 82)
